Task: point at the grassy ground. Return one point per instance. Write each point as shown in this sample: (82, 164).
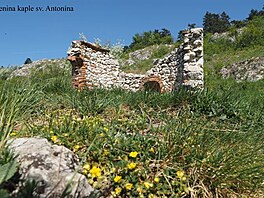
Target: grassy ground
(204, 144)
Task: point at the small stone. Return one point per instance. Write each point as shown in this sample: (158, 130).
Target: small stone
(197, 42)
(186, 40)
(188, 47)
(192, 54)
(186, 57)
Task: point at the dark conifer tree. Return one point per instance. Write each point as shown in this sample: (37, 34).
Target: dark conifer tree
(28, 61)
(216, 23)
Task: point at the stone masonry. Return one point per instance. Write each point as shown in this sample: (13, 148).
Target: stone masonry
(93, 66)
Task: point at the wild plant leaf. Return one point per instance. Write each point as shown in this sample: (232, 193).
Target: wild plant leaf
(8, 170)
(3, 193)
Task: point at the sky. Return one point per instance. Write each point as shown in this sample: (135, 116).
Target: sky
(48, 34)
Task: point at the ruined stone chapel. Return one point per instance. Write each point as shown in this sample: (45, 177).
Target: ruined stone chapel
(94, 67)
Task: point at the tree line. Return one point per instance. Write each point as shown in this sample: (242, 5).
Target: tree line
(148, 38)
(219, 23)
(212, 23)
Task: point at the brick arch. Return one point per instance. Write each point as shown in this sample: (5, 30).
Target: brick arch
(154, 81)
(78, 71)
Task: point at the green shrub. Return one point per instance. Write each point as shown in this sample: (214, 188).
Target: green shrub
(149, 38)
(253, 34)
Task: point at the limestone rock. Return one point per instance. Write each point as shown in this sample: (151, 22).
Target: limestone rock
(249, 70)
(52, 166)
(142, 54)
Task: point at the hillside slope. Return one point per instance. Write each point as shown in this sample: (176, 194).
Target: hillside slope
(27, 69)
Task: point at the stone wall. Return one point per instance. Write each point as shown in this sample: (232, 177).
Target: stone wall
(93, 66)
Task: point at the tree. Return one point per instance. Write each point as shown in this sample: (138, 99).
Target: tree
(253, 13)
(164, 32)
(216, 22)
(150, 38)
(224, 22)
(209, 22)
(28, 61)
(238, 23)
(191, 25)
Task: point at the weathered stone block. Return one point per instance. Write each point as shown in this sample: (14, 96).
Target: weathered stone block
(52, 166)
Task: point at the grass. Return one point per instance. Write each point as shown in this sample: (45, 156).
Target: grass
(5, 72)
(17, 102)
(215, 62)
(185, 144)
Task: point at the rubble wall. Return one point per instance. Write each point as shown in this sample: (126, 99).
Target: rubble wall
(93, 66)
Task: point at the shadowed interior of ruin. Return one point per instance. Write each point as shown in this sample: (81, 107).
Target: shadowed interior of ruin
(152, 86)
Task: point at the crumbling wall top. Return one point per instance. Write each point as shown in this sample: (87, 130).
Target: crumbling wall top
(93, 46)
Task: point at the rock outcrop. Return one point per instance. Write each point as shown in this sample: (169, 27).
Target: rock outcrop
(26, 69)
(248, 70)
(232, 37)
(93, 66)
(142, 54)
(52, 166)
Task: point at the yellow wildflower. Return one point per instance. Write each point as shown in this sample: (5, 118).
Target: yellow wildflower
(118, 190)
(128, 186)
(148, 185)
(152, 150)
(13, 133)
(106, 129)
(156, 179)
(101, 134)
(87, 167)
(180, 174)
(117, 179)
(133, 154)
(131, 165)
(96, 172)
(106, 152)
(76, 148)
(54, 139)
